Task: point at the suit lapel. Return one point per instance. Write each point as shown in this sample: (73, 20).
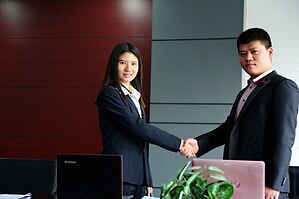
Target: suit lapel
(256, 91)
(143, 112)
(135, 108)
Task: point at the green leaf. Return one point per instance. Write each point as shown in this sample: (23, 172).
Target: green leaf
(210, 195)
(216, 169)
(226, 190)
(195, 184)
(195, 169)
(176, 191)
(188, 183)
(166, 188)
(214, 188)
(182, 171)
(181, 194)
(217, 176)
(187, 175)
(196, 191)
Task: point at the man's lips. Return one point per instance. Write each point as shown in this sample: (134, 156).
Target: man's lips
(250, 65)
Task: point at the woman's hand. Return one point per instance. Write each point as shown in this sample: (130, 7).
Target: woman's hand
(149, 191)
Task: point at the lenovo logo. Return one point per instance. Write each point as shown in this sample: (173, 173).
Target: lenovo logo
(70, 162)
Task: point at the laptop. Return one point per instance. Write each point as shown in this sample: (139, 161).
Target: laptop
(248, 177)
(89, 176)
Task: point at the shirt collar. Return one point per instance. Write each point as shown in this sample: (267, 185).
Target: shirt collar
(134, 93)
(259, 78)
(263, 75)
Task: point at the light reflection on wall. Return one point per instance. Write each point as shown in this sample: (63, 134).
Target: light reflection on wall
(135, 9)
(13, 15)
(12, 11)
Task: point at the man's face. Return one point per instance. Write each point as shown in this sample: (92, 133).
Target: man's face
(255, 59)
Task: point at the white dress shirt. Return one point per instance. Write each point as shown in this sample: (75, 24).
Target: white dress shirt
(135, 96)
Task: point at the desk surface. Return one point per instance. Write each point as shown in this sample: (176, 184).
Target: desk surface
(44, 197)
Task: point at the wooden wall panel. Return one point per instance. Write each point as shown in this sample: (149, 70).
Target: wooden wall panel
(53, 56)
(75, 18)
(60, 62)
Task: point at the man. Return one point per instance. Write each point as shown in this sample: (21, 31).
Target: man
(262, 123)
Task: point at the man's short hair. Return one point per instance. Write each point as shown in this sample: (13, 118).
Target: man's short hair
(254, 34)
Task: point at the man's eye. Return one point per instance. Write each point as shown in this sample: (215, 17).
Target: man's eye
(242, 54)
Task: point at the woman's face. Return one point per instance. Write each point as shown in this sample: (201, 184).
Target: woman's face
(128, 67)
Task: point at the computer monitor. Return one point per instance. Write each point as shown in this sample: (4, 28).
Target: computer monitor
(25, 175)
(89, 176)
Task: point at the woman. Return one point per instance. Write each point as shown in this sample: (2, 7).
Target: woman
(123, 124)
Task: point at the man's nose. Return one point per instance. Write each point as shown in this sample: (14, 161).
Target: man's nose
(249, 57)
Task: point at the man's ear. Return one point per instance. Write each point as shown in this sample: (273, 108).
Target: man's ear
(270, 51)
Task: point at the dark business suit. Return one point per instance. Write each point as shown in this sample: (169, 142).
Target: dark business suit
(124, 132)
(263, 131)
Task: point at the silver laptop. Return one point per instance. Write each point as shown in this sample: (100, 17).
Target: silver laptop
(89, 176)
(248, 177)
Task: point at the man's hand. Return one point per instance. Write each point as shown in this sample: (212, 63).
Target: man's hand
(271, 193)
(189, 147)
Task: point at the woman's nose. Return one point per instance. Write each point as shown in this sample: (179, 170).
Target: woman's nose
(127, 67)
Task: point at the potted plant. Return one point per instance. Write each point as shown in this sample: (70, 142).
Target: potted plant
(198, 183)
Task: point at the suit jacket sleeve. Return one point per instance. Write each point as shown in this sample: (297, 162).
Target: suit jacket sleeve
(220, 135)
(117, 109)
(285, 109)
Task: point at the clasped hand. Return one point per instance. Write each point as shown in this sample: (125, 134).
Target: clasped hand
(189, 147)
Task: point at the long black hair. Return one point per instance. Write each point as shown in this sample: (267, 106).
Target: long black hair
(111, 75)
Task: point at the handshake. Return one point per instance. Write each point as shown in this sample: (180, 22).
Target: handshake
(189, 147)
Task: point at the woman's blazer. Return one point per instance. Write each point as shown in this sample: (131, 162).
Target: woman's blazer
(125, 132)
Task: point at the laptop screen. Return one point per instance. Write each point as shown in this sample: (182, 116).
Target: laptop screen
(89, 176)
(248, 177)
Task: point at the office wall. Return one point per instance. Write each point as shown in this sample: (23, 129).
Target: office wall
(53, 56)
(280, 19)
(195, 73)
